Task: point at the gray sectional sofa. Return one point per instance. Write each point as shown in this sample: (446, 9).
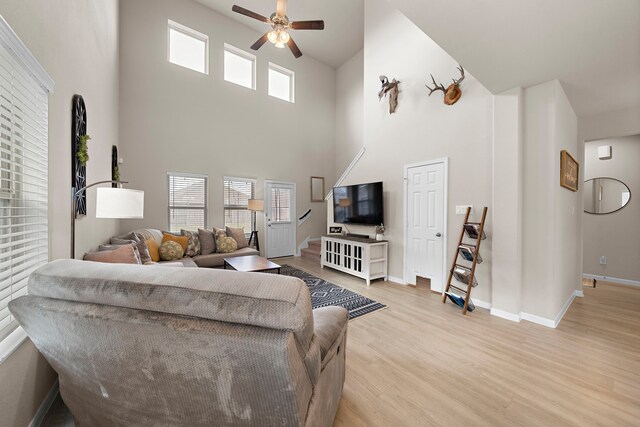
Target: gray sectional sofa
(188, 347)
(208, 260)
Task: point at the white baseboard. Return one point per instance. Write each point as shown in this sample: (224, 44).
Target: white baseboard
(612, 279)
(553, 323)
(481, 304)
(303, 245)
(38, 418)
(505, 315)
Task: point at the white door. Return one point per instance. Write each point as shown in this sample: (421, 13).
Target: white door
(280, 219)
(425, 219)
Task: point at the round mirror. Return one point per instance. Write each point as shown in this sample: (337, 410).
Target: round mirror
(605, 195)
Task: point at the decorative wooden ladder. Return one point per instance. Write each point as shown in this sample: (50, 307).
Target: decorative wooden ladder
(476, 254)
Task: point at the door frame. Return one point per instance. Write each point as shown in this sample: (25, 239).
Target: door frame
(294, 218)
(445, 203)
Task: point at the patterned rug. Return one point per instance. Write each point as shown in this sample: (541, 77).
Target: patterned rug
(324, 294)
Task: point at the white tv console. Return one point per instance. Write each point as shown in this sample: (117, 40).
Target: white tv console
(360, 257)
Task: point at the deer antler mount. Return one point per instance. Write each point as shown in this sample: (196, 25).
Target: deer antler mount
(453, 92)
(390, 87)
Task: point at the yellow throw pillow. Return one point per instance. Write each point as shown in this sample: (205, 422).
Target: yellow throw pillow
(152, 245)
(182, 240)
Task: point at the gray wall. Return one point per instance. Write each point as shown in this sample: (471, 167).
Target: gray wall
(175, 119)
(77, 44)
(423, 128)
(616, 235)
(551, 231)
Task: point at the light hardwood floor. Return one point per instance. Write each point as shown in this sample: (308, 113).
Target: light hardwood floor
(421, 363)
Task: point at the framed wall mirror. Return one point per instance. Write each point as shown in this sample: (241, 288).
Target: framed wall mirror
(317, 189)
(605, 195)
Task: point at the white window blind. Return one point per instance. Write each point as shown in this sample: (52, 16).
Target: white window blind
(237, 192)
(23, 171)
(187, 201)
(239, 67)
(281, 82)
(188, 48)
(280, 205)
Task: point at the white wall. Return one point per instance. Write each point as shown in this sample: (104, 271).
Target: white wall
(423, 128)
(77, 44)
(616, 235)
(349, 112)
(175, 119)
(551, 231)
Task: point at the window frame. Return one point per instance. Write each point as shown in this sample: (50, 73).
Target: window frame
(292, 82)
(245, 55)
(225, 207)
(190, 32)
(205, 209)
(30, 70)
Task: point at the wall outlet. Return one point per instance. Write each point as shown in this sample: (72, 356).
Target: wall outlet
(461, 210)
(603, 260)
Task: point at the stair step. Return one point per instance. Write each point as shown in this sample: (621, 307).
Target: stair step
(310, 251)
(315, 244)
(310, 254)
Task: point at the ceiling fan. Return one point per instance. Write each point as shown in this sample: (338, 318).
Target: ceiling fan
(280, 25)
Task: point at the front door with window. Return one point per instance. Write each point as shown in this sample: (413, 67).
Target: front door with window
(280, 219)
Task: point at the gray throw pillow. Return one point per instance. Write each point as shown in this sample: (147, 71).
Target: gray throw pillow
(141, 246)
(193, 248)
(131, 236)
(238, 235)
(207, 241)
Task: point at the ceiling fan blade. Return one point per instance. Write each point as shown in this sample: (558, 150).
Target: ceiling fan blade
(250, 14)
(307, 25)
(281, 7)
(294, 48)
(262, 40)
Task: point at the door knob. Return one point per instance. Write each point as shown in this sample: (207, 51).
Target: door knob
(438, 235)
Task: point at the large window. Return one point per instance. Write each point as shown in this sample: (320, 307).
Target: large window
(239, 67)
(24, 88)
(187, 201)
(237, 192)
(281, 82)
(188, 48)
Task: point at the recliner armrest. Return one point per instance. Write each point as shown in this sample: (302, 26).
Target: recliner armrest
(330, 325)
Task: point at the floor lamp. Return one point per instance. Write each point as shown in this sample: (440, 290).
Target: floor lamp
(112, 203)
(255, 206)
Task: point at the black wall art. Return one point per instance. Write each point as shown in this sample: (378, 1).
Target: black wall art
(78, 170)
(115, 170)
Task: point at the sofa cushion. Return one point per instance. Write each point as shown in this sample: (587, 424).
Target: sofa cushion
(153, 248)
(140, 244)
(171, 251)
(217, 259)
(207, 241)
(266, 300)
(193, 248)
(238, 235)
(226, 245)
(182, 240)
(183, 262)
(125, 254)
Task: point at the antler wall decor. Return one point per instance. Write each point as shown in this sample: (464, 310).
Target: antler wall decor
(392, 89)
(451, 93)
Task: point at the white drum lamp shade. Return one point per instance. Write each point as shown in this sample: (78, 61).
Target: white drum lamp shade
(119, 203)
(255, 205)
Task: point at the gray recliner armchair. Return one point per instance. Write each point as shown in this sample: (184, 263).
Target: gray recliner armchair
(140, 346)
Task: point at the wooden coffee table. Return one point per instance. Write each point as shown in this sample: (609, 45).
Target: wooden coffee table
(253, 263)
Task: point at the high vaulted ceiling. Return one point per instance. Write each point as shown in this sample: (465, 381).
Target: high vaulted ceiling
(343, 35)
(591, 46)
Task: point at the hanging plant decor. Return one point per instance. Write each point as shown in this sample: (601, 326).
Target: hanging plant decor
(79, 156)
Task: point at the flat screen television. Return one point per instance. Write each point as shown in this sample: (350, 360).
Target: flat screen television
(358, 204)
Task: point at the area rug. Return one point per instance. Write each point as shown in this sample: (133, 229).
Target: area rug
(324, 294)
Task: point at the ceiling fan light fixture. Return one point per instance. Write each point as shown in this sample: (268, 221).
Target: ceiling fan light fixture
(284, 37)
(279, 45)
(272, 36)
